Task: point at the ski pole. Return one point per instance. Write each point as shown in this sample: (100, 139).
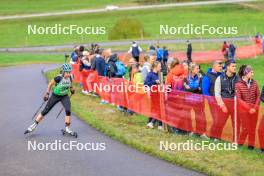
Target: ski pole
(38, 110)
(61, 110)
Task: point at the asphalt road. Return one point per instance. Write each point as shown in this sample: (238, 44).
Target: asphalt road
(21, 93)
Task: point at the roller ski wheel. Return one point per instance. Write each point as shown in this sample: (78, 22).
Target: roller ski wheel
(73, 134)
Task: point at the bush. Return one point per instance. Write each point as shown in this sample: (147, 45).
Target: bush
(126, 28)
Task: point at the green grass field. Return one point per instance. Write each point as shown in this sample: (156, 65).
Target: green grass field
(24, 58)
(13, 33)
(39, 6)
(132, 131)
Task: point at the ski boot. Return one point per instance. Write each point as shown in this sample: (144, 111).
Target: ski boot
(31, 128)
(69, 132)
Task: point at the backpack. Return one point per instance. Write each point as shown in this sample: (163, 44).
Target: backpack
(74, 56)
(121, 69)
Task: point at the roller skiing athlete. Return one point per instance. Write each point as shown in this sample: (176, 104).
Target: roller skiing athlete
(61, 85)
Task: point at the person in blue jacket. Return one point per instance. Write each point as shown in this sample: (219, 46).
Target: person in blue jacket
(99, 63)
(159, 54)
(152, 81)
(209, 78)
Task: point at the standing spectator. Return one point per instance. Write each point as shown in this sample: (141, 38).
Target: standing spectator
(224, 94)
(165, 55)
(152, 48)
(75, 55)
(152, 81)
(149, 60)
(176, 75)
(263, 43)
(85, 66)
(261, 125)
(99, 63)
(225, 49)
(175, 80)
(111, 66)
(208, 82)
(257, 38)
(248, 98)
(159, 54)
(135, 50)
(189, 51)
(192, 83)
(232, 51)
(137, 76)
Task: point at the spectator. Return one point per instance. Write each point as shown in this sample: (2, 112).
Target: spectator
(131, 63)
(175, 76)
(159, 54)
(85, 66)
(257, 38)
(232, 51)
(225, 49)
(135, 50)
(224, 94)
(137, 76)
(248, 98)
(174, 80)
(189, 52)
(192, 83)
(263, 43)
(152, 47)
(149, 60)
(99, 63)
(112, 69)
(75, 55)
(165, 55)
(208, 82)
(261, 125)
(152, 81)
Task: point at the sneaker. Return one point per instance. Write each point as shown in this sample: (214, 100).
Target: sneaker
(85, 92)
(94, 95)
(103, 102)
(191, 134)
(150, 125)
(205, 137)
(160, 128)
(119, 108)
(68, 130)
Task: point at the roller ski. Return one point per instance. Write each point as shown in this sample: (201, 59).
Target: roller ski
(68, 132)
(31, 128)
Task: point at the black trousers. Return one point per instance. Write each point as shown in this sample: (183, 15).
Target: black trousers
(53, 100)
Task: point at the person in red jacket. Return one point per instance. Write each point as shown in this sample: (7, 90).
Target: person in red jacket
(248, 99)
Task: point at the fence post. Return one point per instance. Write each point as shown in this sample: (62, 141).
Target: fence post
(162, 104)
(235, 119)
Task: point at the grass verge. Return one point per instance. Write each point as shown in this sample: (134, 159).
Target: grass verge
(10, 59)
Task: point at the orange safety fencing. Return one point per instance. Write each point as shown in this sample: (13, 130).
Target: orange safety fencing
(243, 52)
(183, 110)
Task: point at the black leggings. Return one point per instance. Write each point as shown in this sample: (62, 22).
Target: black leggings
(53, 100)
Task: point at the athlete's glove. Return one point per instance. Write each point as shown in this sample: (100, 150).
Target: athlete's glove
(72, 91)
(46, 97)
